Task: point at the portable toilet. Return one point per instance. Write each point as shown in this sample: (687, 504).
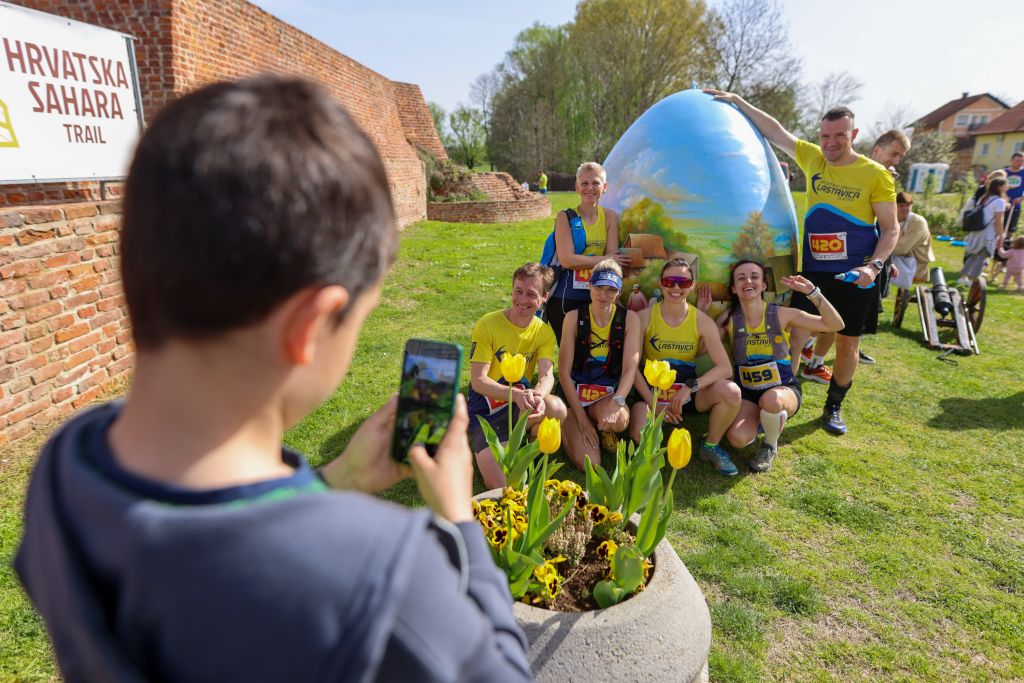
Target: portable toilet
(920, 172)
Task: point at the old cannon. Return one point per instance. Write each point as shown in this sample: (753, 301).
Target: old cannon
(942, 307)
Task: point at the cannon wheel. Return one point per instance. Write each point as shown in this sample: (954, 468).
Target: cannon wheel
(899, 307)
(976, 303)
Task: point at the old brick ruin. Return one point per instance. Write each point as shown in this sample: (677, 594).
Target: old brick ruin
(64, 335)
(507, 201)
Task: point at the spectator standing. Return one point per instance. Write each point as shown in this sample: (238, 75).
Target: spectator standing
(542, 183)
(981, 244)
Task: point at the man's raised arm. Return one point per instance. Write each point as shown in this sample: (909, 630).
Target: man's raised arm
(769, 127)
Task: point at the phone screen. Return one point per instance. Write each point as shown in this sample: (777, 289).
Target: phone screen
(426, 395)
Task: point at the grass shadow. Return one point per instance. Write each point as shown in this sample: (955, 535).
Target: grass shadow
(983, 413)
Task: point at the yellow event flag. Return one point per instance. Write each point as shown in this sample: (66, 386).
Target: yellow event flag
(7, 136)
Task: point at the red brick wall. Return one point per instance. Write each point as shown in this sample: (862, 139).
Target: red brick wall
(183, 44)
(63, 328)
(63, 325)
(498, 211)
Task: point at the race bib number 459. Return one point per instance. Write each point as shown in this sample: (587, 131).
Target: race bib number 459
(828, 246)
(761, 376)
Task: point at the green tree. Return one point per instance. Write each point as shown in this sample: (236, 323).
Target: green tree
(647, 215)
(756, 241)
(632, 53)
(438, 114)
(468, 138)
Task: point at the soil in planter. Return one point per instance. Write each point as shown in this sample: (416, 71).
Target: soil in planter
(577, 590)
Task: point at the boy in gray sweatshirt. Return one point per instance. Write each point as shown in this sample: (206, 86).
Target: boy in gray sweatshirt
(170, 536)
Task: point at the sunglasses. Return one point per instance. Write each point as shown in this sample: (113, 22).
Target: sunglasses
(680, 281)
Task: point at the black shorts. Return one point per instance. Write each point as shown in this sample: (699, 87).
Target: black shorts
(852, 302)
(556, 309)
(754, 395)
(498, 422)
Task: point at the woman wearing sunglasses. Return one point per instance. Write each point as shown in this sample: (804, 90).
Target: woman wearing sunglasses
(758, 336)
(674, 331)
(597, 359)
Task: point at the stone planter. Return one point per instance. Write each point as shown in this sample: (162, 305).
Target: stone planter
(662, 633)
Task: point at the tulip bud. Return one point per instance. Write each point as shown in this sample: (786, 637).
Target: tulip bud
(679, 448)
(513, 367)
(549, 435)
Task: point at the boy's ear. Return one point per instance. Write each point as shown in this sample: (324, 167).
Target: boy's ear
(311, 309)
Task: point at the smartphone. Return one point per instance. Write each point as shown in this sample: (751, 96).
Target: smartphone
(426, 395)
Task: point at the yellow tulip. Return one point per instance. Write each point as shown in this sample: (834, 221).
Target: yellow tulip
(679, 448)
(659, 374)
(549, 435)
(513, 367)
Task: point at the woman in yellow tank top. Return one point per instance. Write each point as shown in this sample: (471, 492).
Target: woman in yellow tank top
(572, 289)
(675, 331)
(761, 355)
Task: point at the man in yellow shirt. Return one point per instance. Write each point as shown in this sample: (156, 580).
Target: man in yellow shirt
(846, 193)
(516, 329)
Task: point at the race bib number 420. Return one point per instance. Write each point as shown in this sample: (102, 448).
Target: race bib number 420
(665, 397)
(828, 246)
(761, 376)
(497, 406)
(592, 393)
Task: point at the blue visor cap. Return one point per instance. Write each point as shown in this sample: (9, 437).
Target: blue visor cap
(606, 278)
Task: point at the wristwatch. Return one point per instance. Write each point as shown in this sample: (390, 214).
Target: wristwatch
(692, 383)
(878, 264)
(621, 400)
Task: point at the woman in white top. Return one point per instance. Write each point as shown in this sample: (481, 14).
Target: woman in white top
(981, 244)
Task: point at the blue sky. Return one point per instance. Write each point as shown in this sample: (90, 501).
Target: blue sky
(913, 54)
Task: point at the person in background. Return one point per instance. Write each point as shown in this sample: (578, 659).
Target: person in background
(1014, 262)
(542, 183)
(1014, 191)
(913, 250)
(981, 244)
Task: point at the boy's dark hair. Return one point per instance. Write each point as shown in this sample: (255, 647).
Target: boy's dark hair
(904, 198)
(836, 113)
(242, 194)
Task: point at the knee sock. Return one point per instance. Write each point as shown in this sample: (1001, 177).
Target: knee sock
(836, 394)
(816, 360)
(772, 423)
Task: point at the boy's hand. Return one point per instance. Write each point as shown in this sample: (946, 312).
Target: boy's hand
(446, 480)
(366, 464)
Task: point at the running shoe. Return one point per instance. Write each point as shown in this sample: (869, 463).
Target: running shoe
(762, 460)
(833, 419)
(821, 374)
(717, 456)
(807, 355)
(866, 359)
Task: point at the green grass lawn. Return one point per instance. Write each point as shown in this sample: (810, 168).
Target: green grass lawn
(893, 553)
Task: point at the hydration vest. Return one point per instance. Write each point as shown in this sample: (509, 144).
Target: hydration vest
(772, 328)
(616, 342)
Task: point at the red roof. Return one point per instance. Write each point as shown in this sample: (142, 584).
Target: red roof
(1009, 121)
(936, 117)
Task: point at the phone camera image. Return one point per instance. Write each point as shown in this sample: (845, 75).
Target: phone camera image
(426, 396)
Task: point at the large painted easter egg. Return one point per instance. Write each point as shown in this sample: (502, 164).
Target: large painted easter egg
(693, 176)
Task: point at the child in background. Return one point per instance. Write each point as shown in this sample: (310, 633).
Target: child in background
(1014, 262)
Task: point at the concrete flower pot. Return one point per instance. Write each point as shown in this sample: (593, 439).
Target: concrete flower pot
(662, 633)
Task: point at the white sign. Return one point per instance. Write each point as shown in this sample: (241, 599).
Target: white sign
(68, 99)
